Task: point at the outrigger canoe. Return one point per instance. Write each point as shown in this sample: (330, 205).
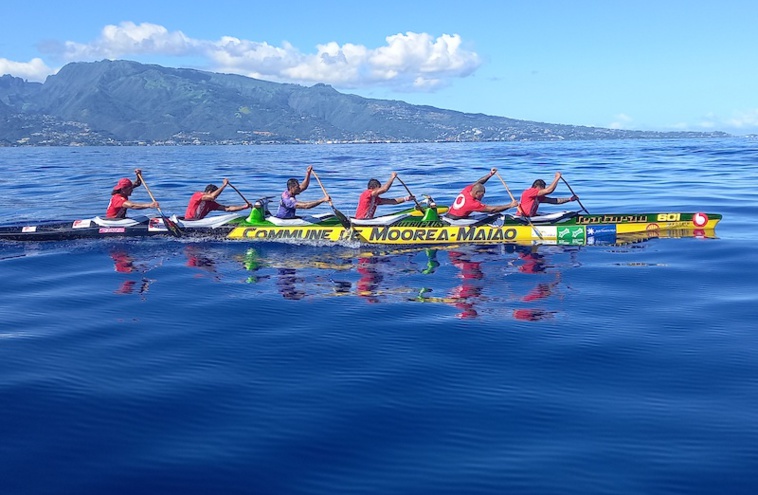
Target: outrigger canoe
(409, 227)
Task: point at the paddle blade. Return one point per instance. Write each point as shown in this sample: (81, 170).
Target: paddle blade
(172, 227)
(342, 218)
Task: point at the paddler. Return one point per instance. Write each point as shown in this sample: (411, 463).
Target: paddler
(538, 193)
(370, 199)
(203, 202)
(288, 205)
(119, 202)
(470, 200)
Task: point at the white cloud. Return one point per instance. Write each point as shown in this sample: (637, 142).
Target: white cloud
(621, 121)
(410, 61)
(34, 70)
(740, 122)
(127, 39)
(743, 120)
(421, 60)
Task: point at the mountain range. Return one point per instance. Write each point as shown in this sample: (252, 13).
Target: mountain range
(129, 103)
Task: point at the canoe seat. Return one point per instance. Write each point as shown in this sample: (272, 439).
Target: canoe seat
(300, 221)
(556, 217)
(208, 222)
(472, 219)
(382, 220)
(119, 222)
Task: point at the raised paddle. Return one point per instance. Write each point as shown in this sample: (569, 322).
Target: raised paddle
(171, 226)
(418, 205)
(574, 194)
(238, 192)
(518, 205)
(340, 216)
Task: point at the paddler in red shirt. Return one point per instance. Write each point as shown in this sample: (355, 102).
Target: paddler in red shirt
(470, 200)
(532, 197)
(203, 202)
(370, 198)
(119, 202)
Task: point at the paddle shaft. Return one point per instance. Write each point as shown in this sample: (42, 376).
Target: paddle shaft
(150, 194)
(322, 188)
(506, 187)
(340, 216)
(172, 228)
(238, 192)
(410, 193)
(574, 194)
(518, 205)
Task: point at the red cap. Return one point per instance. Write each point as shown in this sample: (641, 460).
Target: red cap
(122, 183)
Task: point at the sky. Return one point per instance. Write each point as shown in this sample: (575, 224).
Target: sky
(662, 65)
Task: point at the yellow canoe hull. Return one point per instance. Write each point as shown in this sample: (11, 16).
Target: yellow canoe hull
(570, 234)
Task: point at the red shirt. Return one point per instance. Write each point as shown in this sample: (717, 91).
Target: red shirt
(530, 201)
(197, 208)
(465, 203)
(367, 204)
(116, 208)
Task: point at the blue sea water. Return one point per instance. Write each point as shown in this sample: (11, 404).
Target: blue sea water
(178, 366)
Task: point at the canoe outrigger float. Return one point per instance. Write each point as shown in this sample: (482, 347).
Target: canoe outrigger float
(98, 227)
(410, 227)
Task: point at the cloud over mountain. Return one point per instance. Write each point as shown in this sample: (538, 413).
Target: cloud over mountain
(407, 62)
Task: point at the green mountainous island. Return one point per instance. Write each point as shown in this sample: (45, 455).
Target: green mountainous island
(128, 103)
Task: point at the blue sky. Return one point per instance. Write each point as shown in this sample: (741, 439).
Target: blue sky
(649, 65)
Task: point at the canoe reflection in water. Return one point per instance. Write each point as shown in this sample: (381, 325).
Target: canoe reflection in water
(475, 280)
(484, 285)
(124, 263)
(506, 282)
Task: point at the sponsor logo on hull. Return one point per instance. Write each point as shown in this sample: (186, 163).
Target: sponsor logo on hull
(278, 233)
(599, 219)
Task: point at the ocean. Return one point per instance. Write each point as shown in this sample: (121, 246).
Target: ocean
(164, 365)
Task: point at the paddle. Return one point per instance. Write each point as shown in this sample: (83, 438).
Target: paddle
(340, 216)
(574, 194)
(519, 205)
(238, 192)
(171, 226)
(418, 205)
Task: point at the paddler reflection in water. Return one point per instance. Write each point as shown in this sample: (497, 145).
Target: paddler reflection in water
(123, 263)
(287, 284)
(288, 204)
(465, 295)
(119, 202)
(534, 263)
(469, 290)
(197, 258)
(368, 285)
